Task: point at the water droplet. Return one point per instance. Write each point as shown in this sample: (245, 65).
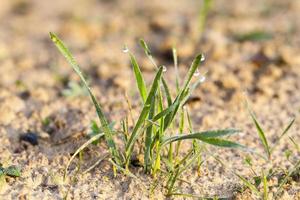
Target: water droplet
(125, 49)
(202, 58)
(164, 68)
(197, 73)
(202, 78)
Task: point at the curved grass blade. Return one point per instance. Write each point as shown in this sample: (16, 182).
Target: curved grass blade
(145, 111)
(148, 139)
(105, 126)
(283, 134)
(149, 55)
(139, 77)
(87, 143)
(207, 138)
(248, 184)
(179, 99)
(219, 133)
(261, 135)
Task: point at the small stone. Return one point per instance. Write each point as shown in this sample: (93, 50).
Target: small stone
(30, 137)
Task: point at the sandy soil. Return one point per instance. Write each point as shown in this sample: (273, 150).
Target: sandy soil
(33, 76)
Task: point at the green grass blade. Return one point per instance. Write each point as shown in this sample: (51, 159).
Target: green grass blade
(149, 55)
(139, 78)
(167, 92)
(283, 134)
(105, 126)
(287, 128)
(207, 4)
(219, 133)
(184, 91)
(145, 47)
(143, 115)
(175, 58)
(207, 138)
(148, 139)
(192, 70)
(261, 134)
(83, 146)
(265, 185)
(297, 147)
(248, 184)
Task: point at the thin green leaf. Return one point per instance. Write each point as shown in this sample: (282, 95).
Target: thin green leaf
(169, 118)
(205, 137)
(261, 134)
(139, 77)
(283, 134)
(145, 47)
(175, 58)
(148, 138)
(143, 115)
(219, 133)
(104, 124)
(12, 171)
(254, 36)
(265, 184)
(83, 146)
(248, 184)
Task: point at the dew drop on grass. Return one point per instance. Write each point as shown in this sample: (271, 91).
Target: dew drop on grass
(202, 78)
(125, 49)
(164, 68)
(197, 72)
(202, 58)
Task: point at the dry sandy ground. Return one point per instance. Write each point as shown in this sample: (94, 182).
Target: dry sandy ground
(33, 75)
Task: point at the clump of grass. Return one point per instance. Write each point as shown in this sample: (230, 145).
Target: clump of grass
(156, 123)
(254, 183)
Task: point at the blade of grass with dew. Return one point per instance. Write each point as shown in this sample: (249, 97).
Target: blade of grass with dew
(169, 118)
(107, 131)
(261, 134)
(149, 55)
(139, 78)
(143, 115)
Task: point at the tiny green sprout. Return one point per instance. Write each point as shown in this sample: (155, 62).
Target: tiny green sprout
(248, 160)
(288, 154)
(11, 171)
(46, 121)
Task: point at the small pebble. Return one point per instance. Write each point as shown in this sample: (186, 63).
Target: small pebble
(30, 137)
